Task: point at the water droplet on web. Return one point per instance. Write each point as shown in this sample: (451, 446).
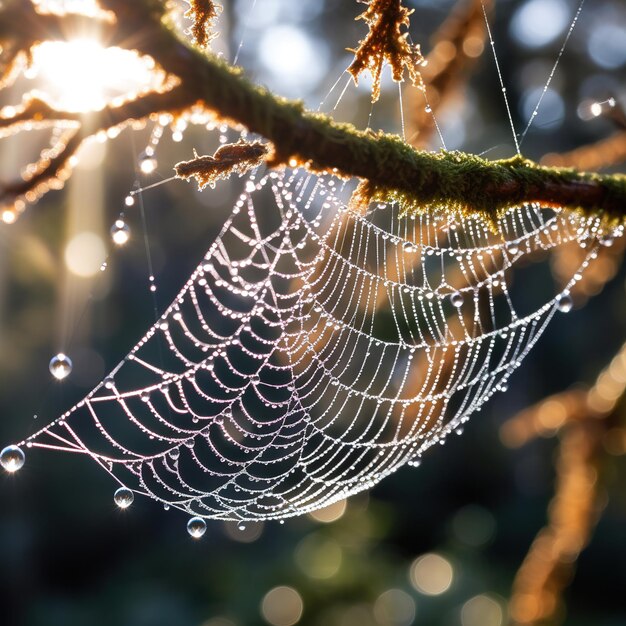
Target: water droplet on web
(129, 200)
(241, 526)
(123, 497)
(606, 240)
(196, 527)
(120, 232)
(565, 303)
(457, 299)
(147, 164)
(12, 459)
(60, 366)
(428, 108)
(175, 453)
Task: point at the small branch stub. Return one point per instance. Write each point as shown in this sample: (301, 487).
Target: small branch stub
(233, 157)
(203, 13)
(386, 42)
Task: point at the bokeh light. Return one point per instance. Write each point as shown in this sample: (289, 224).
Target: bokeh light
(330, 513)
(539, 22)
(395, 608)
(84, 254)
(607, 44)
(551, 112)
(282, 606)
(482, 610)
(293, 60)
(431, 574)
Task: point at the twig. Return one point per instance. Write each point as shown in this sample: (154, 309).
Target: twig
(54, 167)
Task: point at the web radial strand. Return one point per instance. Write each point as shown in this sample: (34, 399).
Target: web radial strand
(316, 350)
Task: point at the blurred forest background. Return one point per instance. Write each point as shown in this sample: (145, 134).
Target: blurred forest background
(437, 545)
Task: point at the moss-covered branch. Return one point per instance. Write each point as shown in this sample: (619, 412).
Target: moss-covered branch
(390, 167)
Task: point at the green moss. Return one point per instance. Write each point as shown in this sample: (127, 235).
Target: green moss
(471, 185)
(394, 170)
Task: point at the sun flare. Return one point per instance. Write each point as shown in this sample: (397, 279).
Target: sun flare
(82, 75)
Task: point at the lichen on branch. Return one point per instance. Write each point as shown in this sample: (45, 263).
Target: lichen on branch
(228, 159)
(203, 13)
(385, 42)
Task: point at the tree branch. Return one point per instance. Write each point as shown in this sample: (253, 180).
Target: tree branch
(393, 170)
(54, 165)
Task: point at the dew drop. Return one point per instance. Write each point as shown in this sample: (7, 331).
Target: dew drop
(123, 497)
(175, 453)
(196, 527)
(565, 303)
(109, 383)
(241, 526)
(512, 249)
(60, 366)
(457, 299)
(606, 240)
(129, 200)
(120, 232)
(147, 164)
(12, 458)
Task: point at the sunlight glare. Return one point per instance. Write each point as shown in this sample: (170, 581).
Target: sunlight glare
(82, 75)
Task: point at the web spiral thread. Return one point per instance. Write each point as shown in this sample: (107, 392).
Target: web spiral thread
(316, 350)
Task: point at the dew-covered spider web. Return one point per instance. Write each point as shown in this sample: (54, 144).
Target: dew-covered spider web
(317, 349)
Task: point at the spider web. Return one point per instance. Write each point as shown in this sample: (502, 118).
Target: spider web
(316, 350)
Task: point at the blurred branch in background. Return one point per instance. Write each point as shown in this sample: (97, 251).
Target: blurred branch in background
(456, 47)
(587, 423)
(600, 154)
